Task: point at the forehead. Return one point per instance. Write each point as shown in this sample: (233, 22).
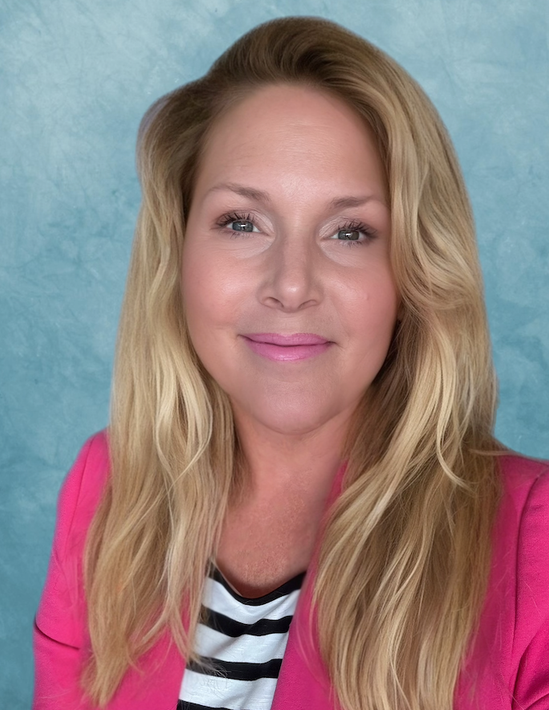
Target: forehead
(295, 131)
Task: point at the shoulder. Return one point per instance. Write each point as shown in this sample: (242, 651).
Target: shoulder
(524, 510)
(61, 611)
(90, 467)
(523, 518)
(523, 476)
(92, 464)
(522, 551)
(506, 659)
(524, 504)
(82, 489)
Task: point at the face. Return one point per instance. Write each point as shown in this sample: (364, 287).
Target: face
(286, 280)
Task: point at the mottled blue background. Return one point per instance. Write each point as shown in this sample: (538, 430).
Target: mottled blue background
(75, 78)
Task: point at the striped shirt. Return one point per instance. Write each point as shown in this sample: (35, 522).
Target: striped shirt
(240, 643)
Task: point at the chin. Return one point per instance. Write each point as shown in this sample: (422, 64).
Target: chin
(298, 420)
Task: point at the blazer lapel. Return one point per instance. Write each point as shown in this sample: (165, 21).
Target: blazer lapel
(155, 683)
(303, 682)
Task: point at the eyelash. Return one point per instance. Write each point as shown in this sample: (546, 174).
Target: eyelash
(357, 226)
(349, 226)
(226, 219)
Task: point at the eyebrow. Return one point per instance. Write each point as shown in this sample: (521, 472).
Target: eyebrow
(261, 196)
(242, 190)
(344, 202)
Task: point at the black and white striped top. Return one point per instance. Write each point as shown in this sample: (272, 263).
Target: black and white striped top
(241, 642)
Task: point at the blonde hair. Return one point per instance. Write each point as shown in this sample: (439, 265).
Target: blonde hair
(406, 551)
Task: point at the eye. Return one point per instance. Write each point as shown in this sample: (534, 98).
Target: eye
(349, 234)
(237, 223)
(354, 234)
(242, 225)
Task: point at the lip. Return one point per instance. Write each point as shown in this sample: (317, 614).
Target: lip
(286, 348)
(285, 340)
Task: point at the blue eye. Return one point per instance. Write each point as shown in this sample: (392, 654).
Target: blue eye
(242, 225)
(236, 222)
(352, 235)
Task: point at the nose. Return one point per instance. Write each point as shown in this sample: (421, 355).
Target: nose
(291, 278)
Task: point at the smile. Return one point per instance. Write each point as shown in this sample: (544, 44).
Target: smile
(286, 348)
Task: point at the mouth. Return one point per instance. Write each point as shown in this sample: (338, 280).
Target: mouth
(286, 348)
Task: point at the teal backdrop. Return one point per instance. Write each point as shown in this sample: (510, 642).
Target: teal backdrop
(75, 79)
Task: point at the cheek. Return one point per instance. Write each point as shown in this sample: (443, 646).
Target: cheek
(211, 293)
(198, 305)
(386, 304)
(372, 294)
(374, 317)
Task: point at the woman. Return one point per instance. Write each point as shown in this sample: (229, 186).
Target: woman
(303, 384)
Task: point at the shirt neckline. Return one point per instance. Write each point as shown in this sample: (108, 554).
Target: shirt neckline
(284, 589)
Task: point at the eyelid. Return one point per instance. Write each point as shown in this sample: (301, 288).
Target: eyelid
(355, 225)
(235, 216)
(345, 225)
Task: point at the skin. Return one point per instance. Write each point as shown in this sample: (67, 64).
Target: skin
(278, 161)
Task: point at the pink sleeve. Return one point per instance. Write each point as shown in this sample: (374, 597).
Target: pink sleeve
(57, 672)
(60, 629)
(531, 642)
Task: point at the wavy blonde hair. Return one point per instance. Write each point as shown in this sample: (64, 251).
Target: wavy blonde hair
(406, 551)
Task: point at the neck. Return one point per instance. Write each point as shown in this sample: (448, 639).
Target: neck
(281, 464)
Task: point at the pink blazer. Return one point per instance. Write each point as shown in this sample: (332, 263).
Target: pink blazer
(506, 669)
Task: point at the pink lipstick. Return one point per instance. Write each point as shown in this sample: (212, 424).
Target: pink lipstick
(286, 348)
